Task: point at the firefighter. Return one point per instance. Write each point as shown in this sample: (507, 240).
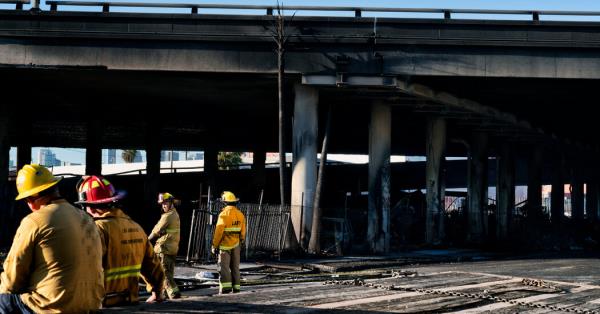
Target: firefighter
(166, 234)
(230, 231)
(55, 261)
(127, 253)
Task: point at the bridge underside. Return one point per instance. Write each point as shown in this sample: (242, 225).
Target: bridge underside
(240, 113)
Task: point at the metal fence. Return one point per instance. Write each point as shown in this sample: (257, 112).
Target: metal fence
(268, 227)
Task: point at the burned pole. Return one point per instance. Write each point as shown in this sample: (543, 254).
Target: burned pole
(314, 245)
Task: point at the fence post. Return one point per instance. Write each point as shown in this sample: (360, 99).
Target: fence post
(187, 257)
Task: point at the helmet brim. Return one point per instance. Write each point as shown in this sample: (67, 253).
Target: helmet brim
(37, 189)
(118, 196)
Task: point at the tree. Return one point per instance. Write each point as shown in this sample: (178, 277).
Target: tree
(227, 160)
(280, 37)
(129, 155)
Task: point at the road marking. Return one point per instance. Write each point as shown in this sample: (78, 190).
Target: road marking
(390, 297)
(502, 305)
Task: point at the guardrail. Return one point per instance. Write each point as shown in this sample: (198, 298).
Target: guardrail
(358, 11)
(18, 3)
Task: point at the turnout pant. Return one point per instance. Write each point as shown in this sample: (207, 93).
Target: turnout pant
(229, 270)
(168, 264)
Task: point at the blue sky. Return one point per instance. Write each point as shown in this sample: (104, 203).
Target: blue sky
(77, 155)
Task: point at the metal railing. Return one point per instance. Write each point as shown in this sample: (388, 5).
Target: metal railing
(195, 8)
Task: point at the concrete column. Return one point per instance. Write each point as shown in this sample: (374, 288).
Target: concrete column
(5, 196)
(591, 202)
(211, 165)
(304, 165)
(258, 167)
(380, 134)
(577, 191)
(23, 155)
(477, 188)
(24, 145)
(93, 149)
(505, 190)
(152, 182)
(534, 182)
(557, 197)
(435, 149)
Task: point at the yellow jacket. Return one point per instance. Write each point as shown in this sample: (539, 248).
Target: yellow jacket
(230, 229)
(127, 254)
(55, 262)
(167, 229)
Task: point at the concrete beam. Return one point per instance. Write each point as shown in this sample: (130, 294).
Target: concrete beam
(435, 149)
(380, 133)
(304, 165)
(93, 149)
(477, 189)
(505, 190)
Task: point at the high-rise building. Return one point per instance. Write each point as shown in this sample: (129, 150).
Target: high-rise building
(47, 158)
(169, 155)
(111, 156)
(138, 157)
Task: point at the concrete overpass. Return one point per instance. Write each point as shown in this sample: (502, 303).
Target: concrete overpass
(435, 87)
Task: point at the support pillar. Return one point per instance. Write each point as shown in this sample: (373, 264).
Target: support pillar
(304, 165)
(577, 207)
(380, 134)
(259, 157)
(557, 196)
(211, 166)
(24, 146)
(591, 201)
(534, 183)
(477, 188)
(5, 196)
(93, 149)
(505, 190)
(152, 182)
(23, 155)
(435, 149)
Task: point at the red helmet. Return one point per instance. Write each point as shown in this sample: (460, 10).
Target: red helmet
(97, 190)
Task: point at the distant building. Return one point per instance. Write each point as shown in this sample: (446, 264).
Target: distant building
(47, 158)
(111, 157)
(169, 155)
(138, 157)
(11, 164)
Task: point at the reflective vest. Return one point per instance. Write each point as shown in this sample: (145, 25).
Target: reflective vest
(230, 229)
(127, 255)
(55, 261)
(167, 230)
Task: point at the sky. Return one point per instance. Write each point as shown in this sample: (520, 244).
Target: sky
(78, 155)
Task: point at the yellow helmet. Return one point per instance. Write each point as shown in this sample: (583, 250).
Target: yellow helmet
(228, 197)
(32, 179)
(164, 197)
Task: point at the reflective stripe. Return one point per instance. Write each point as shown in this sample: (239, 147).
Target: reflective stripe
(122, 272)
(172, 230)
(236, 287)
(233, 229)
(227, 248)
(225, 284)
